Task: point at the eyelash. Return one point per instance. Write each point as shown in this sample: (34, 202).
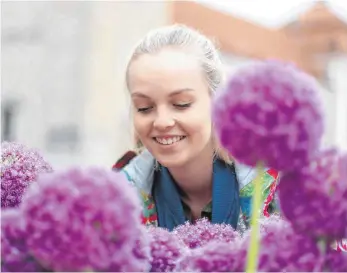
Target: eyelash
(144, 110)
(180, 106)
(186, 105)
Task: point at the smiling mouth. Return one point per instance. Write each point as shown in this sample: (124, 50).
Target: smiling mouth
(168, 141)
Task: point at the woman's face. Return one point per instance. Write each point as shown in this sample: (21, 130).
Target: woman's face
(172, 106)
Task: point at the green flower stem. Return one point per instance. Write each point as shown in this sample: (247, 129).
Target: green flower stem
(253, 250)
(323, 249)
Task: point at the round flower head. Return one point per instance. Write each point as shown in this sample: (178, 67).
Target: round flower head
(335, 261)
(15, 256)
(141, 256)
(19, 167)
(83, 219)
(269, 112)
(165, 249)
(215, 256)
(142, 250)
(267, 222)
(202, 232)
(282, 249)
(314, 198)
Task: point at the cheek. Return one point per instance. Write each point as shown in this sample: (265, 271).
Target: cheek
(140, 125)
(198, 125)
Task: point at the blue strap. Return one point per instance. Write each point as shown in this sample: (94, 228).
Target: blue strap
(225, 197)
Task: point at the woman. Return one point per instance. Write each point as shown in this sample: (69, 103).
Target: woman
(182, 173)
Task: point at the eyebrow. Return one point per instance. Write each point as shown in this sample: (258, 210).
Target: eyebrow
(173, 93)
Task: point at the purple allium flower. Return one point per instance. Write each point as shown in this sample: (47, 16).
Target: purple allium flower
(314, 197)
(270, 112)
(141, 256)
(165, 249)
(15, 256)
(142, 249)
(215, 256)
(202, 232)
(19, 167)
(335, 261)
(283, 249)
(83, 219)
(267, 222)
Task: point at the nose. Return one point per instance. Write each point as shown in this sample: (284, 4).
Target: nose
(163, 120)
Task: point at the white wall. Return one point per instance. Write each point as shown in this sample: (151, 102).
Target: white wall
(338, 75)
(328, 99)
(115, 28)
(233, 62)
(43, 44)
(63, 64)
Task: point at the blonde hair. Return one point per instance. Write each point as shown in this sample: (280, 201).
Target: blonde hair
(184, 37)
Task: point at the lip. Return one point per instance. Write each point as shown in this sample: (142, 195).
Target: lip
(170, 146)
(168, 136)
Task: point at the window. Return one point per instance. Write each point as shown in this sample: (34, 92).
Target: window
(63, 138)
(8, 115)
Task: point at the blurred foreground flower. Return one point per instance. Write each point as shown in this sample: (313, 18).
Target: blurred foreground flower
(270, 113)
(15, 256)
(335, 261)
(19, 167)
(283, 249)
(141, 256)
(314, 197)
(84, 220)
(215, 256)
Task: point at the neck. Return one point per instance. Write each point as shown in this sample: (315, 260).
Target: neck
(195, 178)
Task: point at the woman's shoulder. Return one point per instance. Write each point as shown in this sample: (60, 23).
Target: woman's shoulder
(269, 180)
(124, 160)
(139, 168)
(246, 175)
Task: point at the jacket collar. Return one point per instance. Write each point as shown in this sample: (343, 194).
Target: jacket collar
(141, 171)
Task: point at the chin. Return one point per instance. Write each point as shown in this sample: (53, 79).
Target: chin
(171, 161)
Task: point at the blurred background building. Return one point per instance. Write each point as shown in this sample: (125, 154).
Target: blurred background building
(63, 63)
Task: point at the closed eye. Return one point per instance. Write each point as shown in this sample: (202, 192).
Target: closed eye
(144, 109)
(186, 105)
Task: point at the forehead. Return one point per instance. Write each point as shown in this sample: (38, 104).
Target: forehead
(170, 69)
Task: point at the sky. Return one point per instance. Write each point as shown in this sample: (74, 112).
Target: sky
(272, 13)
